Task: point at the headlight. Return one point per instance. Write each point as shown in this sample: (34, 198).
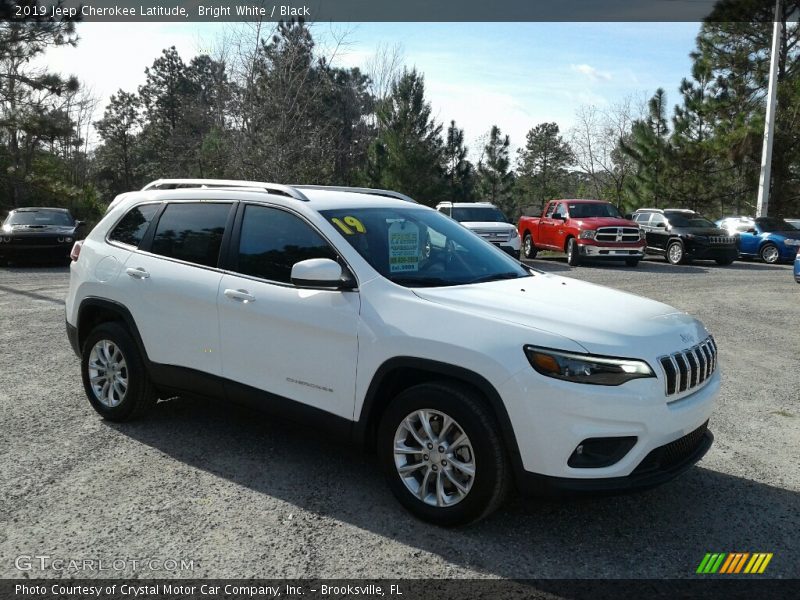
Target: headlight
(586, 368)
(588, 234)
(514, 234)
(5, 239)
(790, 242)
(642, 234)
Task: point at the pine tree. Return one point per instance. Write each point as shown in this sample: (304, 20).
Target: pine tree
(407, 154)
(542, 165)
(118, 129)
(458, 171)
(495, 179)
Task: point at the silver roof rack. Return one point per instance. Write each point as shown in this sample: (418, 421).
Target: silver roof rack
(357, 190)
(271, 188)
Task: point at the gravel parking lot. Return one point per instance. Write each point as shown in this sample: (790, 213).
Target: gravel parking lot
(244, 496)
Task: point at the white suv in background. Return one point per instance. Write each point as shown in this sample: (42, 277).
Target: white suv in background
(386, 322)
(488, 221)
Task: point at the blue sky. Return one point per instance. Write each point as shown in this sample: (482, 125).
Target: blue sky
(515, 75)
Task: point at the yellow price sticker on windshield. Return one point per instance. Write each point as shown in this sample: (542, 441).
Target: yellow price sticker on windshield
(349, 225)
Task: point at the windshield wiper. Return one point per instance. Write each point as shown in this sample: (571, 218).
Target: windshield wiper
(496, 277)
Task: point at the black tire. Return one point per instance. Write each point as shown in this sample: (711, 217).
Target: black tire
(492, 476)
(529, 249)
(573, 255)
(724, 262)
(632, 262)
(675, 254)
(769, 253)
(140, 394)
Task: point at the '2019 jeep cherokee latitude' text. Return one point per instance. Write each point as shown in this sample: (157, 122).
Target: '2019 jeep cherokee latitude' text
(387, 322)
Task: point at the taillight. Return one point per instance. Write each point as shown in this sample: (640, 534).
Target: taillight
(76, 251)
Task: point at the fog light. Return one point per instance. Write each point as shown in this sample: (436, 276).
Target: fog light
(595, 453)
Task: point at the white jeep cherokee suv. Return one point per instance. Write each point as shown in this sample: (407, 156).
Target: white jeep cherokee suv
(488, 221)
(386, 322)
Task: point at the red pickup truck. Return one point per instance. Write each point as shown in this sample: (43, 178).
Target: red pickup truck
(583, 229)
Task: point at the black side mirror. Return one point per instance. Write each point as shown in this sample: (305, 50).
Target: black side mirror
(753, 231)
(662, 225)
(559, 216)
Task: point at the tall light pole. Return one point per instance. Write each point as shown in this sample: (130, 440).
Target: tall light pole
(769, 123)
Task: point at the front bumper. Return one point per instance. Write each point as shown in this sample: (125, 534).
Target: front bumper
(661, 465)
(34, 249)
(711, 252)
(606, 251)
(550, 418)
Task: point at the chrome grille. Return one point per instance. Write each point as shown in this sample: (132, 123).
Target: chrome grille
(617, 234)
(493, 236)
(689, 368)
(722, 240)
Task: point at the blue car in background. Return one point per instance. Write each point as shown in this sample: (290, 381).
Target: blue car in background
(770, 239)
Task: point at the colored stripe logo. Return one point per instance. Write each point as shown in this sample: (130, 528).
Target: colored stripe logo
(729, 563)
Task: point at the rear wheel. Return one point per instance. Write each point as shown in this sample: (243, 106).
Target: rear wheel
(114, 376)
(675, 254)
(769, 254)
(573, 257)
(528, 248)
(442, 454)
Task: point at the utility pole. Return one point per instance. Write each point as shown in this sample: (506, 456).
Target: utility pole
(769, 123)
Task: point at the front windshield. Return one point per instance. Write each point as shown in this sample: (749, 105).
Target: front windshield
(39, 217)
(418, 247)
(773, 224)
(689, 220)
(489, 214)
(586, 210)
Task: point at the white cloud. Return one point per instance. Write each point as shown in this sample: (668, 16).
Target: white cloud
(591, 72)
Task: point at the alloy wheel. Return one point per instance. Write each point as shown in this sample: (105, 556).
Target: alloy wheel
(108, 373)
(434, 457)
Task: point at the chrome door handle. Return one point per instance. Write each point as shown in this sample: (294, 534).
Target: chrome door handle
(240, 295)
(137, 273)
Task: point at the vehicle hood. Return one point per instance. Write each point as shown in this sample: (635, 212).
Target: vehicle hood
(595, 222)
(704, 231)
(600, 319)
(481, 225)
(34, 229)
(486, 225)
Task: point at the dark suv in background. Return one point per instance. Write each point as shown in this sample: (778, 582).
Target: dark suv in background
(681, 235)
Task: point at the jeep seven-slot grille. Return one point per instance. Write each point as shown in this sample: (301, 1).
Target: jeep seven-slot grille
(689, 368)
(722, 240)
(617, 234)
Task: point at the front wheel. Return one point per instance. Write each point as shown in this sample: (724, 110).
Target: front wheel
(769, 254)
(573, 257)
(440, 448)
(114, 376)
(675, 254)
(529, 249)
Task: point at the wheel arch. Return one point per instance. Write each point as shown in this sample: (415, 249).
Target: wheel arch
(95, 311)
(400, 373)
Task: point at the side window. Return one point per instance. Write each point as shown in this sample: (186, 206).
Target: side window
(273, 240)
(550, 210)
(131, 229)
(445, 210)
(191, 232)
(642, 218)
(563, 209)
(657, 218)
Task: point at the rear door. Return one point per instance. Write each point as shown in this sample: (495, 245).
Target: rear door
(292, 342)
(657, 234)
(170, 285)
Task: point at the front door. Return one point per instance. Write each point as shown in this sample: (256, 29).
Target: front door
(292, 342)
